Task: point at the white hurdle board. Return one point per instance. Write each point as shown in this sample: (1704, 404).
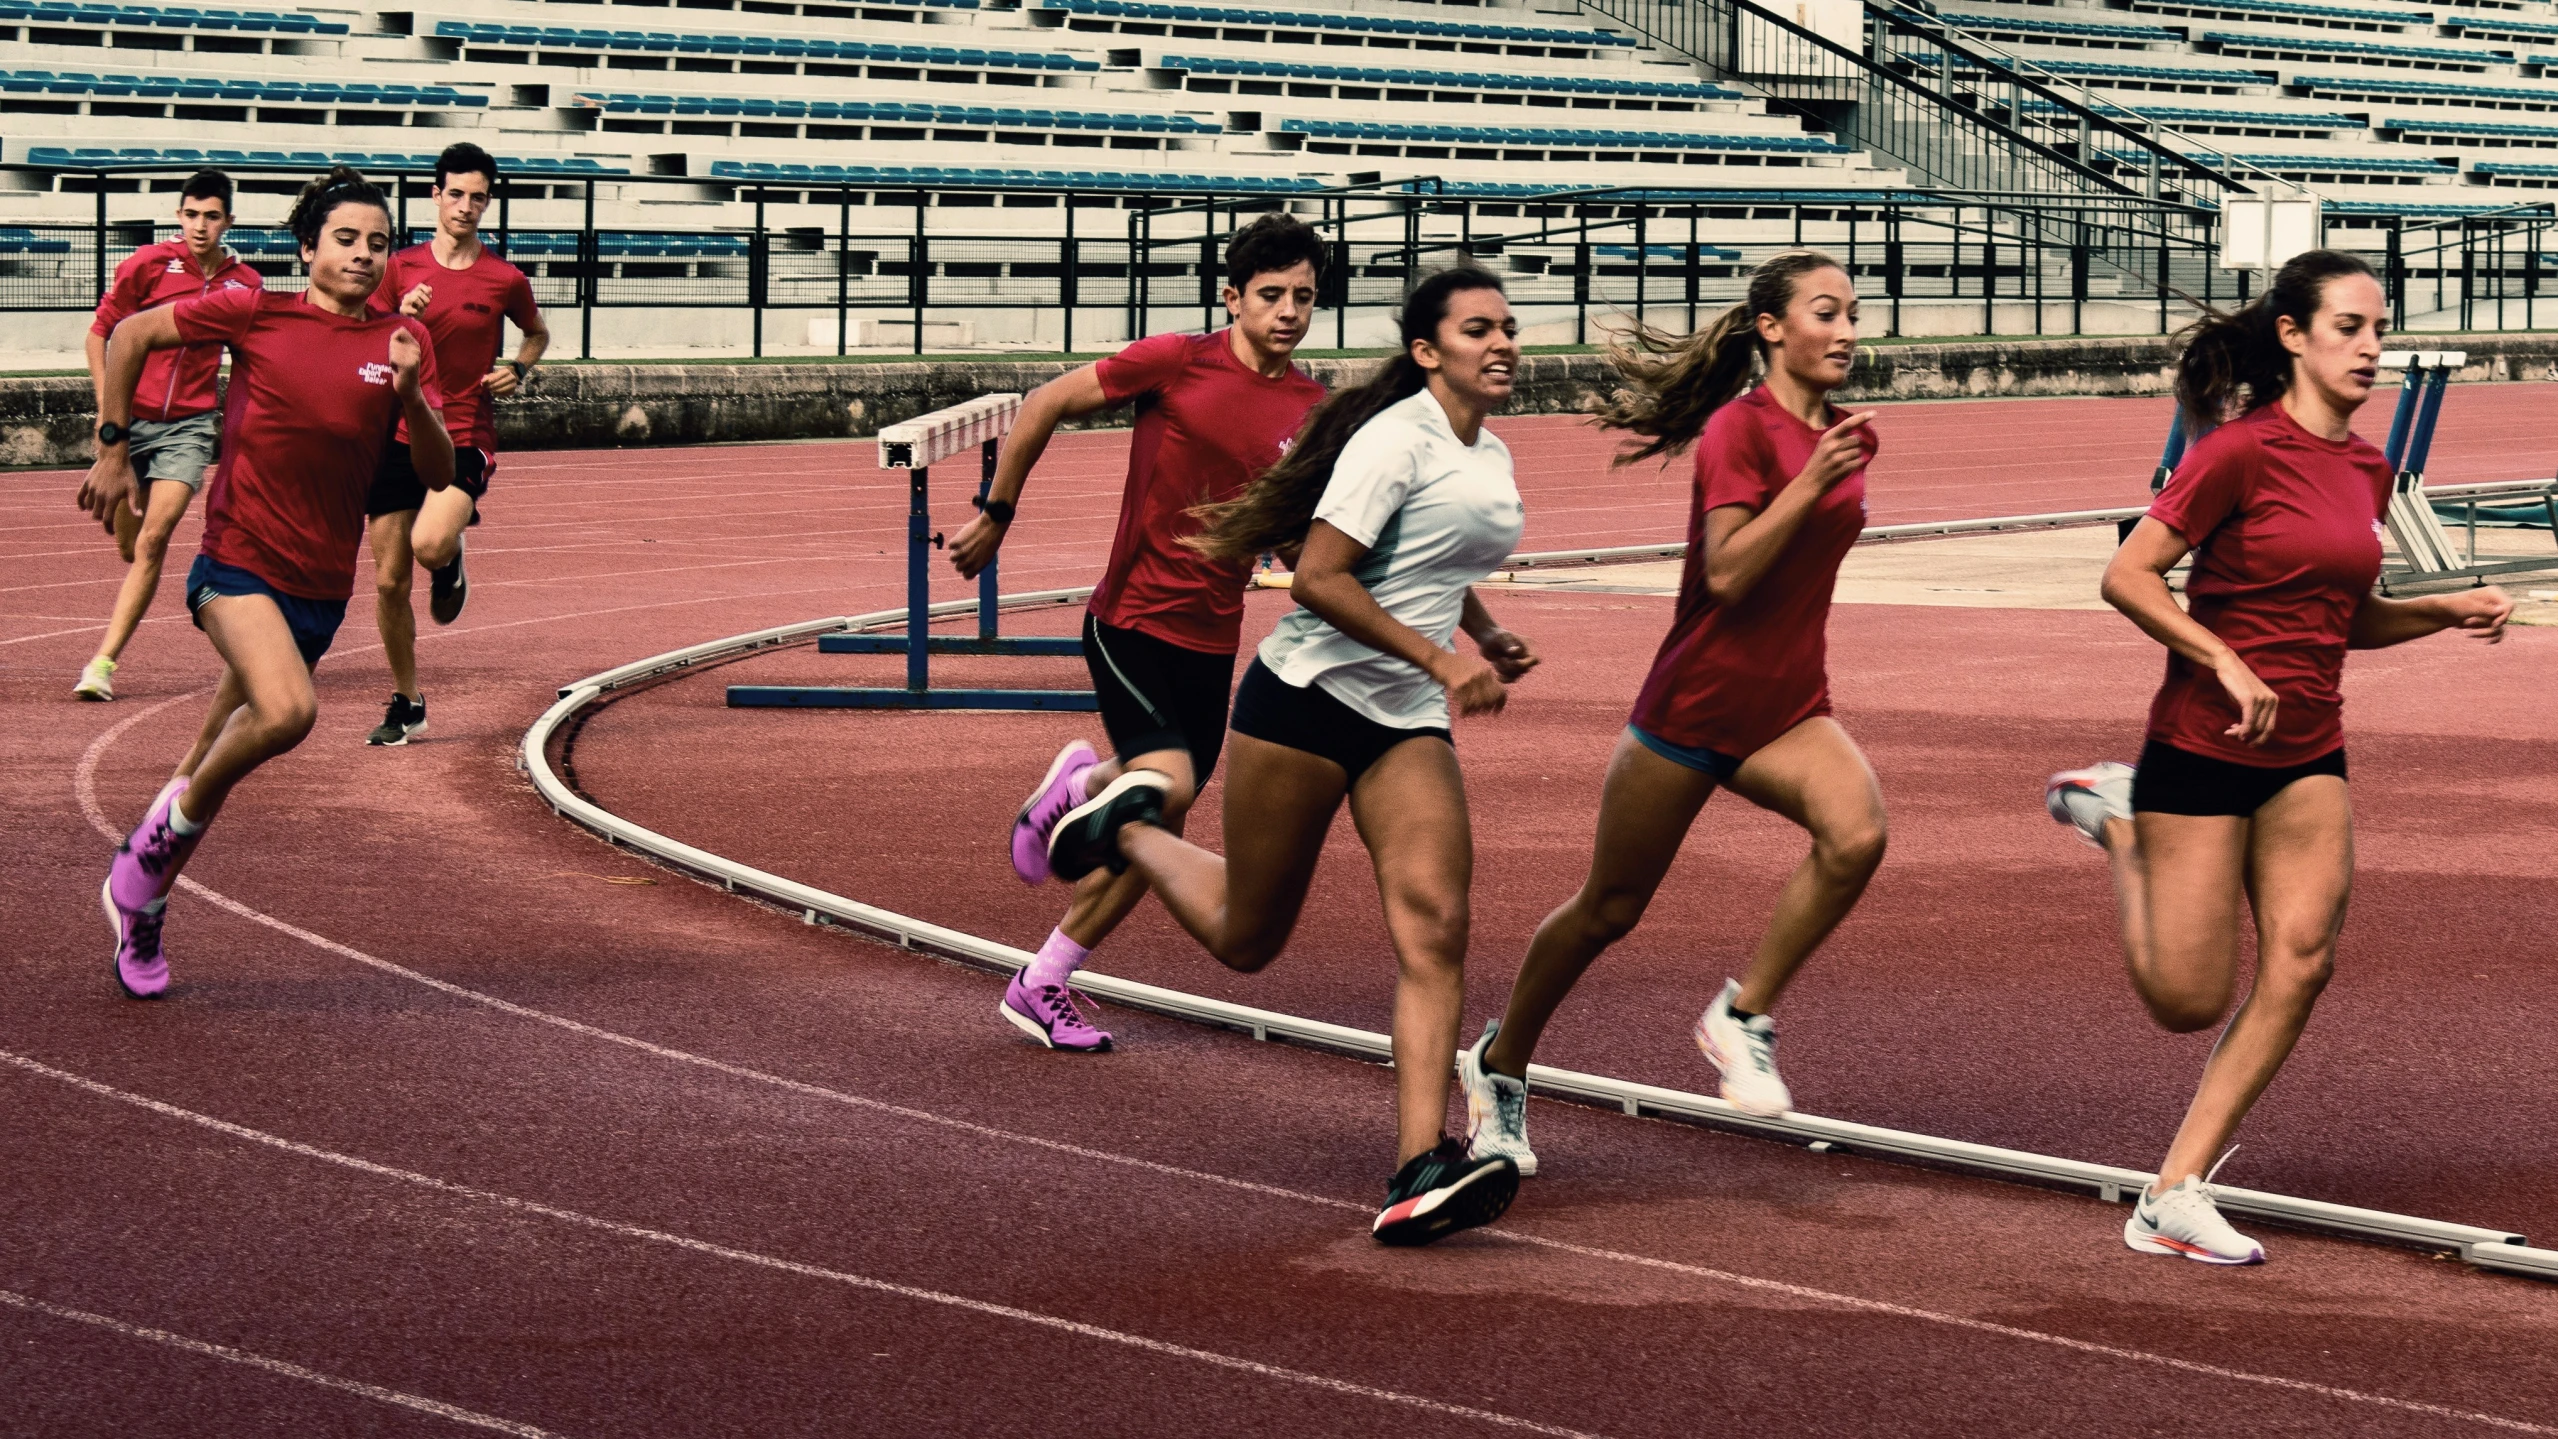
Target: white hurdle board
(928, 439)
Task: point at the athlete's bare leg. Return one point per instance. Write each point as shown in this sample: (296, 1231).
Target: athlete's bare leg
(149, 552)
(393, 564)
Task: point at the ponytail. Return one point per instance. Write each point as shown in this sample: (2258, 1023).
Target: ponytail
(1675, 383)
(320, 199)
(1278, 507)
(2234, 363)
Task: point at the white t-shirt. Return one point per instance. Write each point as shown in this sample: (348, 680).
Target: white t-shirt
(1436, 516)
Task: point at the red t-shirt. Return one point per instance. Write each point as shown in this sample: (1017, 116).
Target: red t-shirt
(1205, 426)
(310, 408)
(466, 312)
(176, 383)
(2286, 534)
(1731, 678)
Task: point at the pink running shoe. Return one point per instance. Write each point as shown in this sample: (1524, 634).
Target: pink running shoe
(146, 864)
(1040, 812)
(141, 970)
(1048, 1013)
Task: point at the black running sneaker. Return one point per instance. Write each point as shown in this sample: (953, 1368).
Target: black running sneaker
(1440, 1192)
(1088, 836)
(404, 719)
(448, 589)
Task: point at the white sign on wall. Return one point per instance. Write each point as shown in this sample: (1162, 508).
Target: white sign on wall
(2260, 232)
(1766, 50)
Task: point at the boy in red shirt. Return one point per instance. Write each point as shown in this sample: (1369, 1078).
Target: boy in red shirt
(1164, 623)
(176, 420)
(465, 295)
(318, 380)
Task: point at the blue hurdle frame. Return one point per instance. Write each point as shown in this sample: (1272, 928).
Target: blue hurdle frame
(919, 644)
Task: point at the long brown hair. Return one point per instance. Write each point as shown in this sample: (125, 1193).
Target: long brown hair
(2236, 361)
(1278, 507)
(1675, 383)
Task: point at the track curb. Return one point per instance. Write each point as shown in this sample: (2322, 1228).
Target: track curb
(2496, 1249)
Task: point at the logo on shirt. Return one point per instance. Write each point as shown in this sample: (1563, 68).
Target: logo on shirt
(476, 308)
(177, 266)
(233, 285)
(374, 372)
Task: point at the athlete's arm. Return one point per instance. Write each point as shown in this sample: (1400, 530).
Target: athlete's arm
(1076, 392)
(97, 352)
(430, 448)
(1325, 583)
(2380, 622)
(501, 381)
(110, 479)
(2136, 584)
(1509, 654)
(1741, 544)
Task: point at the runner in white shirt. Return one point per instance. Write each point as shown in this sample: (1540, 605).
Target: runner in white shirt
(1401, 501)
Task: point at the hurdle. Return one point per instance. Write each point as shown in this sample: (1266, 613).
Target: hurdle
(2426, 553)
(915, 446)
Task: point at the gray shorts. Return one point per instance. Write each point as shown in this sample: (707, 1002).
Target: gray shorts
(175, 449)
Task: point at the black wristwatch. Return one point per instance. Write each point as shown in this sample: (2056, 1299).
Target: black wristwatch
(112, 433)
(1000, 511)
(520, 368)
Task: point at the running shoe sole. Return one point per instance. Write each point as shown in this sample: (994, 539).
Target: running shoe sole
(444, 602)
(1085, 840)
(1038, 1031)
(1066, 758)
(1482, 1196)
(407, 733)
(2141, 1243)
(115, 956)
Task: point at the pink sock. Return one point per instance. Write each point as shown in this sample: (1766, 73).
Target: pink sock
(1056, 961)
(1079, 789)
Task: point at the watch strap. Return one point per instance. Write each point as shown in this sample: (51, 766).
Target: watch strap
(1000, 511)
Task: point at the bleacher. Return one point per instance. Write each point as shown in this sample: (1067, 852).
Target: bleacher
(2437, 93)
(2386, 108)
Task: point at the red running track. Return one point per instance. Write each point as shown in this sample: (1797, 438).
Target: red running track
(645, 1157)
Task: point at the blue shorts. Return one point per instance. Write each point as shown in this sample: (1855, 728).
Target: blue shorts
(314, 622)
(1712, 762)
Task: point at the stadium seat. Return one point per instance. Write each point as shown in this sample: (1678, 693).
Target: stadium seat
(1362, 75)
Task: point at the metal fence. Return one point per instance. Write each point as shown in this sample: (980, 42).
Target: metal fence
(1137, 263)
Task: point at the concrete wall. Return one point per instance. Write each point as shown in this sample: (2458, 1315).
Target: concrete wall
(48, 421)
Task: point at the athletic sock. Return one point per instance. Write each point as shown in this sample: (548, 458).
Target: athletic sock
(1079, 789)
(179, 824)
(1056, 961)
(1740, 1015)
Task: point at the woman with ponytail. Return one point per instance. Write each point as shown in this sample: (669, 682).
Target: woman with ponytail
(2240, 790)
(1739, 696)
(1402, 501)
(318, 381)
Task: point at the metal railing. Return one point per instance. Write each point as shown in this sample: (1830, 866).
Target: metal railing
(2488, 266)
(1115, 266)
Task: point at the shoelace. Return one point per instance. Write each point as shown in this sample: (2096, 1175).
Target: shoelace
(1761, 1047)
(1512, 1106)
(1069, 1009)
(145, 930)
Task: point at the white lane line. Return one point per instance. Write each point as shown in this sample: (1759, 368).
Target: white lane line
(287, 1368)
(961, 1302)
(85, 784)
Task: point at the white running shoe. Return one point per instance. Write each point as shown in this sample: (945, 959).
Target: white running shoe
(1496, 1108)
(1745, 1053)
(97, 680)
(2185, 1221)
(2084, 799)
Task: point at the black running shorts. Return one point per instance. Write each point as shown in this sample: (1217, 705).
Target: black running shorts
(1156, 695)
(396, 487)
(2175, 781)
(1311, 719)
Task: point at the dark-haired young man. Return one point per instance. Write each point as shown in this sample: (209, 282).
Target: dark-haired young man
(176, 419)
(465, 295)
(1163, 626)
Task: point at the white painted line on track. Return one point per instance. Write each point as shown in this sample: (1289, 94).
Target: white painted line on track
(85, 786)
(287, 1368)
(938, 1297)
